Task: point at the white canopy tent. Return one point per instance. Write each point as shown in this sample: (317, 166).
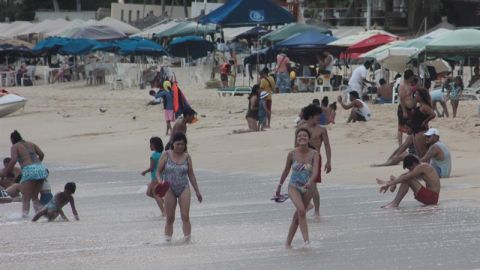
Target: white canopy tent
(396, 57)
(157, 28)
(12, 29)
(351, 40)
(119, 25)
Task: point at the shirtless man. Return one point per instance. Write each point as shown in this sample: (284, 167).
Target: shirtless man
(6, 181)
(319, 136)
(407, 103)
(427, 194)
(181, 124)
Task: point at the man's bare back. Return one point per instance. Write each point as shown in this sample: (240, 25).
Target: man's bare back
(406, 97)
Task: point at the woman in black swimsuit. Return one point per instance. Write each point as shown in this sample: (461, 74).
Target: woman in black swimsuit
(252, 111)
(421, 115)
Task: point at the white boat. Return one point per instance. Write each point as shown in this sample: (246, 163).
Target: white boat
(11, 103)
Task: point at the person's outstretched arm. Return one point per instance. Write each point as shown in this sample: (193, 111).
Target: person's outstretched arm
(328, 151)
(432, 152)
(285, 172)
(74, 210)
(193, 179)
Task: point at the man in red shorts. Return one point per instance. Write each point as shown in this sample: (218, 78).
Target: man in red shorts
(427, 194)
(319, 136)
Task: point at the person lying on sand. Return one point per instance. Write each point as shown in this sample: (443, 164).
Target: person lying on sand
(427, 194)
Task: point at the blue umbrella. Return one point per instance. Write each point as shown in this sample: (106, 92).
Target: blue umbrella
(50, 45)
(136, 46)
(108, 46)
(307, 40)
(190, 47)
(78, 47)
(9, 49)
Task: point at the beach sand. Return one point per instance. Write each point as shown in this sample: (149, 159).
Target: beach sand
(65, 121)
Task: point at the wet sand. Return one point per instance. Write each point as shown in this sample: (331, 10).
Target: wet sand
(238, 227)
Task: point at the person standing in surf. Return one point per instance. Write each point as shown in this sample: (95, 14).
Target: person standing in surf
(156, 145)
(175, 167)
(303, 162)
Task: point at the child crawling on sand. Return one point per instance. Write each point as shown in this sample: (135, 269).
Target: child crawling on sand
(54, 207)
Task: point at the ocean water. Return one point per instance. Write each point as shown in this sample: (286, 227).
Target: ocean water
(237, 227)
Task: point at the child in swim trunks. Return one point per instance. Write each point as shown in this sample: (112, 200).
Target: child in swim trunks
(54, 207)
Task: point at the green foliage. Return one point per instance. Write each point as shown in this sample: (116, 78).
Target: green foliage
(18, 11)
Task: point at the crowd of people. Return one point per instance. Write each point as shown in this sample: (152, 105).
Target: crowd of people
(421, 153)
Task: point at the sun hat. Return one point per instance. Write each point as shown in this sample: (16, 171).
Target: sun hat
(162, 188)
(167, 85)
(432, 131)
(263, 94)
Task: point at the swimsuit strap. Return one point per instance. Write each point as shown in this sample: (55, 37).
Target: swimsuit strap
(31, 152)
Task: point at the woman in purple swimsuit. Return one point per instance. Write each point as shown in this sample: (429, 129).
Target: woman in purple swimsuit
(175, 167)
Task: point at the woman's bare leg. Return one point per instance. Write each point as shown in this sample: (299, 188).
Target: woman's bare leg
(445, 109)
(170, 206)
(301, 220)
(36, 191)
(454, 107)
(27, 191)
(184, 203)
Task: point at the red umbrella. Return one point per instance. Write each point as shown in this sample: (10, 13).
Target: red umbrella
(369, 44)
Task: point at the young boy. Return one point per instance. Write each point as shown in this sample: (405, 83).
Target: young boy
(54, 207)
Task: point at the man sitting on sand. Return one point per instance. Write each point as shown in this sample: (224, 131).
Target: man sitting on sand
(427, 194)
(384, 93)
(54, 207)
(360, 110)
(438, 154)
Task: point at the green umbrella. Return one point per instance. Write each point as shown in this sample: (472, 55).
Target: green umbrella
(292, 29)
(188, 29)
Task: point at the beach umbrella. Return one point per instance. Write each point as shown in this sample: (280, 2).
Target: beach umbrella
(253, 33)
(292, 29)
(49, 45)
(96, 32)
(187, 29)
(78, 47)
(190, 47)
(139, 46)
(306, 40)
(15, 43)
(236, 13)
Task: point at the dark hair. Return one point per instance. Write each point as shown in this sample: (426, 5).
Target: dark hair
(189, 111)
(354, 94)
(415, 80)
(157, 144)
(333, 106)
(410, 160)
(325, 101)
(179, 136)
(15, 137)
(254, 92)
(310, 111)
(6, 160)
(152, 93)
(70, 187)
(265, 71)
(382, 81)
(397, 76)
(425, 96)
(316, 101)
(367, 64)
(408, 74)
(304, 130)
